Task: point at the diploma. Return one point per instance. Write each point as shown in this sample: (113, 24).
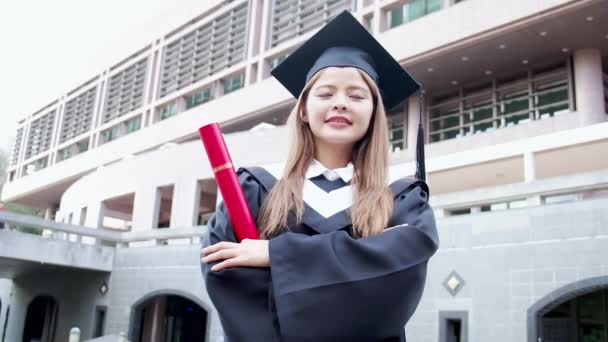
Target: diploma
(228, 182)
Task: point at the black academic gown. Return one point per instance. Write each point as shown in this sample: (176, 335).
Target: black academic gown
(323, 284)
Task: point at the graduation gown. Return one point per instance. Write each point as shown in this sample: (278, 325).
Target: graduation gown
(323, 284)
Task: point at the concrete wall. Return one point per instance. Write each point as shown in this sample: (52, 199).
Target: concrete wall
(142, 273)
(76, 292)
(510, 260)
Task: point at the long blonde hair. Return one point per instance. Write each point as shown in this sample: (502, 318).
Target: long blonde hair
(372, 200)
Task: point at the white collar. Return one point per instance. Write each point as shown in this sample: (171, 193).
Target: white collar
(316, 168)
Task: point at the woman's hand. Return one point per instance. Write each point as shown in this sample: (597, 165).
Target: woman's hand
(249, 252)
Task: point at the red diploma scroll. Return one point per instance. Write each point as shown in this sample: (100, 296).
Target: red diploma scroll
(228, 182)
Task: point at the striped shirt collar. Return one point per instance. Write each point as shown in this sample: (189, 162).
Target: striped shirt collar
(316, 168)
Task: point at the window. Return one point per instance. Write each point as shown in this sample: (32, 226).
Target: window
(133, 124)
(412, 10)
(82, 146)
(73, 150)
(198, 98)
(457, 212)
(168, 110)
(396, 127)
(233, 83)
(36, 165)
(500, 104)
(453, 326)
(111, 133)
(290, 19)
(125, 91)
(78, 115)
(444, 120)
(209, 49)
(100, 318)
(276, 61)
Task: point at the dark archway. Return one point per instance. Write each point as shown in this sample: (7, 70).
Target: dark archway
(168, 317)
(576, 312)
(41, 319)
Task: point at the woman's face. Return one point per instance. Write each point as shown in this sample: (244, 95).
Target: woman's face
(339, 106)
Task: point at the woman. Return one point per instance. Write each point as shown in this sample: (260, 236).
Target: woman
(342, 254)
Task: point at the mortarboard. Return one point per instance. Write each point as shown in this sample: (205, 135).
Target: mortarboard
(344, 42)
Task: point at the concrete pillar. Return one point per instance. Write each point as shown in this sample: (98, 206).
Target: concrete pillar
(589, 87)
(93, 219)
(529, 167)
(377, 20)
(413, 119)
(145, 211)
(264, 39)
(145, 208)
(185, 208)
(154, 325)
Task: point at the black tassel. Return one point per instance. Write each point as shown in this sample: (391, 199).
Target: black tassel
(420, 167)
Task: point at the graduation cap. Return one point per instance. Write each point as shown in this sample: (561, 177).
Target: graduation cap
(344, 42)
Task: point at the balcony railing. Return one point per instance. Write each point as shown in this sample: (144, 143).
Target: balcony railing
(101, 236)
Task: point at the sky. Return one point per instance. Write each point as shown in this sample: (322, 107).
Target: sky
(48, 48)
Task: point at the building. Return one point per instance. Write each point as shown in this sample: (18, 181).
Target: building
(517, 135)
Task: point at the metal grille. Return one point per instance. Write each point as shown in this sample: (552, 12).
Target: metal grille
(17, 147)
(125, 91)
(78, 115)
(40, 135)
(292, 18)
(212, 47)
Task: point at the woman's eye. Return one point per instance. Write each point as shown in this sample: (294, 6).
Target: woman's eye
(358, 97)
(324, 95)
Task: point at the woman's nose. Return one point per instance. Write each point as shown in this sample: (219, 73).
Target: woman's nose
(340, 103)
(339, 107)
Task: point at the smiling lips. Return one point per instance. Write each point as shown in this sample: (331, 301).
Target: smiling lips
(339, 120)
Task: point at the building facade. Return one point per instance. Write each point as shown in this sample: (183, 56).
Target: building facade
(515, 103)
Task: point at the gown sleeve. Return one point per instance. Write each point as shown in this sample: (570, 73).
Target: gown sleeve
(333, 287)
(240, 294)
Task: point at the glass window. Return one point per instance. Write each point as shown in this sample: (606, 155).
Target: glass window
(515, 108)
(112, 133)
(133, 124)
(456, 212)
(198, 98)
(82, 146)
(233, 83)
(445, 124)
(563, 198)
(518, 204)
(168, 110)
(412, 10)
(552, 100)
(276, 61)
(489, 107)
(479, 114)
(396, 132)
(498, 206)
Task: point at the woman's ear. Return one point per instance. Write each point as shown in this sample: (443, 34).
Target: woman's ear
(303, 115)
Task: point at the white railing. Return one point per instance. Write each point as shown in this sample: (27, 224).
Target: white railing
(101, 236)
(532, 193)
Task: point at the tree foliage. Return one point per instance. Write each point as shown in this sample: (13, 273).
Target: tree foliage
(15, 208)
